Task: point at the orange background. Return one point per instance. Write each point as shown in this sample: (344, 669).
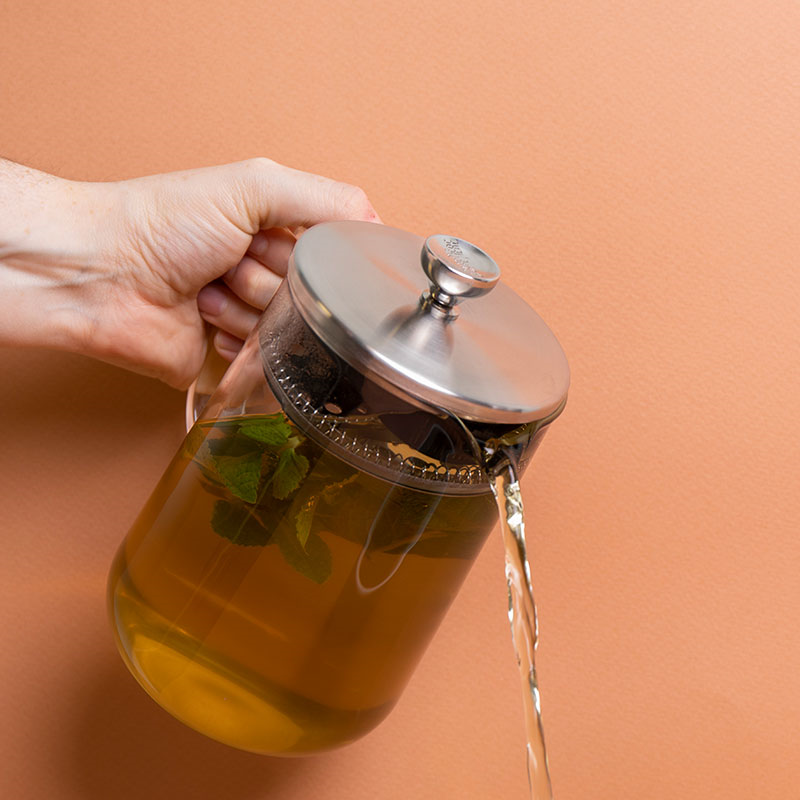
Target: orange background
(635, 169)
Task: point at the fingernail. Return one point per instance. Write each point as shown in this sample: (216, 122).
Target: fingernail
(227, 346)
(259, 245)
(212, 300)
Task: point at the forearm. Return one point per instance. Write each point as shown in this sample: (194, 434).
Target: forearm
(50, 251)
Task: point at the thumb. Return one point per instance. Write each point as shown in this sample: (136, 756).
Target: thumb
(275, 196)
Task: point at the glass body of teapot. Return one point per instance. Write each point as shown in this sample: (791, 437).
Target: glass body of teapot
(289, 569)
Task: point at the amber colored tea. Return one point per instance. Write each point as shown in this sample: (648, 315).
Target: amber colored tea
(276, 598)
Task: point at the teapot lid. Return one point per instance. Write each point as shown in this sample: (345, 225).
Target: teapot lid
(428, 317)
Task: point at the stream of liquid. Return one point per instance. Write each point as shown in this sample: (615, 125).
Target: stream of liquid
(524, 624)
(522, 617)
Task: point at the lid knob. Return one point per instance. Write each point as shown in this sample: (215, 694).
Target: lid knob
(457, 269)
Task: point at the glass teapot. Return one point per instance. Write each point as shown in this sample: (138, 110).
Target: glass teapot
(288, 571)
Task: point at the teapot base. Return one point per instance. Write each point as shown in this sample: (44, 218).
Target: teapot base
(265, 719)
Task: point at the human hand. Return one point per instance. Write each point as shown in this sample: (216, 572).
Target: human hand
(128, 271)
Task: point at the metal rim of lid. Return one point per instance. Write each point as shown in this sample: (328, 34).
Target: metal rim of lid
(383, 369)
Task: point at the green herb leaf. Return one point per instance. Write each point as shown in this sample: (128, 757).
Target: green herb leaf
(303, 521)
(233, 445)
(240, 475)
(313, 560)
(272, 430)
(291, 469)
(236, 522)
(191, 444)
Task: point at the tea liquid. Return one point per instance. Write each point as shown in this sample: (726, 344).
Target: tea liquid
(524, 625)
(274, 597)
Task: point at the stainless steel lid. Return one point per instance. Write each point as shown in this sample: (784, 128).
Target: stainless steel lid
(429, 317)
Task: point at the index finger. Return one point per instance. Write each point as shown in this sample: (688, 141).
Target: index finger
(291, 198)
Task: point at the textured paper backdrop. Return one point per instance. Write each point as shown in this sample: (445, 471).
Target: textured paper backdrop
(634, 168)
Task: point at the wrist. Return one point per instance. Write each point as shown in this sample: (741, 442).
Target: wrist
(50, 257)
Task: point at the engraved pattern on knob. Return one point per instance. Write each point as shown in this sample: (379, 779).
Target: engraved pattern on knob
(457, 269)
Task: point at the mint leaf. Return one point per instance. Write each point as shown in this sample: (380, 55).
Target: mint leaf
(312, 560)
(194, 438)
(233, 445)
(240, 475)
(302, 522)
(272, 430)
(236, 522)
(291, 469)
